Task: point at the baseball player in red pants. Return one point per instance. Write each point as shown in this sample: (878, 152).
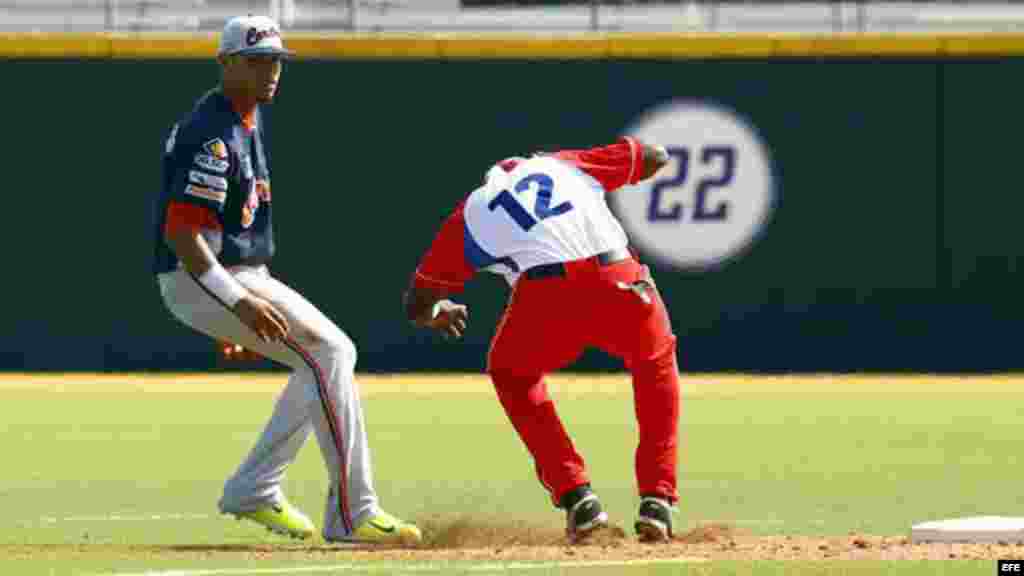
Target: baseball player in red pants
(544, 224)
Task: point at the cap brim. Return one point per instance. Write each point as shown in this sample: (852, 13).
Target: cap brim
(263, 50)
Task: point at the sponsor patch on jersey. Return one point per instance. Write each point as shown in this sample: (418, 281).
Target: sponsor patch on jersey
(206, 193)
(210, 163)
(263, 190)
(216, 148)
(215, 182)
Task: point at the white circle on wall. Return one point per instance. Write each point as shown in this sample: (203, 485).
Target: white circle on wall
(712, 200)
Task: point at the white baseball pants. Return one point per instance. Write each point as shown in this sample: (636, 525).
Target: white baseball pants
(321, 395)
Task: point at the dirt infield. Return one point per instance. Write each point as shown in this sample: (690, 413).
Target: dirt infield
(467, 539)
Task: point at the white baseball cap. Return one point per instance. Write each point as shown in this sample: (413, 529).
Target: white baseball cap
(252, 35)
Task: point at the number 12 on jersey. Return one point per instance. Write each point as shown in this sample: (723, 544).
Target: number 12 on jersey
(541, 208)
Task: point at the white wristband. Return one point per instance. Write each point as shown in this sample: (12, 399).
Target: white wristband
(223, 285)
(436, 310)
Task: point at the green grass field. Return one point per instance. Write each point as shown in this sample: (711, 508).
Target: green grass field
(120, 475)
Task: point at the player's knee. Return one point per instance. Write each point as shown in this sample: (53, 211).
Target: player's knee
(662, 367)
(345, 349)
(661, 356)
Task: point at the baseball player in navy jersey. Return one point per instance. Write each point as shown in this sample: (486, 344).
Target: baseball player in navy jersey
(214, 242)
(544, 224)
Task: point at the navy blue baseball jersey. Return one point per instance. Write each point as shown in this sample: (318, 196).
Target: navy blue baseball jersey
(213, 160)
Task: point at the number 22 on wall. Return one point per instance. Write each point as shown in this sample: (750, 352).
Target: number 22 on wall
(725, 156)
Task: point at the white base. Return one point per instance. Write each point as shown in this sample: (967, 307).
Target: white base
(987, 529)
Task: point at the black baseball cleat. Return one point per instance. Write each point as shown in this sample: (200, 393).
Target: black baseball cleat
(654, 520)
(583, 513)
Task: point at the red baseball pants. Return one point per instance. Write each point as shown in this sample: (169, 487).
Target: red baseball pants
(547, 325)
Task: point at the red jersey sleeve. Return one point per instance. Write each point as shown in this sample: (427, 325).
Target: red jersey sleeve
(444, 266)
(614, 166)
(189, 216)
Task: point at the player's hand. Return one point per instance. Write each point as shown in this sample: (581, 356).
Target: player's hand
(451, 320)
(262, 318)
(654, 158)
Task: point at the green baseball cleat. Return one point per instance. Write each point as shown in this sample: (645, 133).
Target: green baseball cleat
(383, 528)
(281, 518)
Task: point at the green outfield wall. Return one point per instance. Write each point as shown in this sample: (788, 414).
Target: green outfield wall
(846, 204)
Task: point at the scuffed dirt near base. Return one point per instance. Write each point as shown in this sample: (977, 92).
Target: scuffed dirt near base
(476, 540)
(473, 539)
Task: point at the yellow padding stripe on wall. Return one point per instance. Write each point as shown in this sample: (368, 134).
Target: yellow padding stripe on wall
(546, 46)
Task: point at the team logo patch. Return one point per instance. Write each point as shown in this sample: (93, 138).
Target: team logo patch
(263, 190)
(714, 199)
(216, 148)
(210, 163)
(215, 182)
(206, 193)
